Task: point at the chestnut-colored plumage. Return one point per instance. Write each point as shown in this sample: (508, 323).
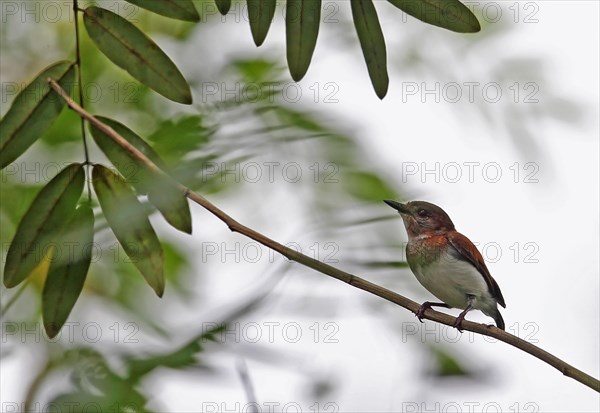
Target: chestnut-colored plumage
(447, 263)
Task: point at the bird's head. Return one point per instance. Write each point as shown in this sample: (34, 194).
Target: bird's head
(422, 218)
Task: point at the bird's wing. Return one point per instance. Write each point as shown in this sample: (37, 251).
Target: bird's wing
(470, 253)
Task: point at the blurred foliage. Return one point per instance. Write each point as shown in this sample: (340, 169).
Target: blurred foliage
(197, 147)
(446, 364)
(95, 383)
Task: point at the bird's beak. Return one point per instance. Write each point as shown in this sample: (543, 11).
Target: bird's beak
(397, 206)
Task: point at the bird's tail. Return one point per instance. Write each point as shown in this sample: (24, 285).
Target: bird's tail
(498, 319)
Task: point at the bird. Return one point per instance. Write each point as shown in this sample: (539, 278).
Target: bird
(447, 263)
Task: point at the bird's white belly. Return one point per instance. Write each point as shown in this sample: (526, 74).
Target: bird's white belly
(452, 280)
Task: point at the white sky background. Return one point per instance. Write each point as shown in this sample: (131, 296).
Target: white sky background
(558, 296)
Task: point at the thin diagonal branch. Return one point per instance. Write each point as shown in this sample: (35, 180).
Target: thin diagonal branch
(353, 280)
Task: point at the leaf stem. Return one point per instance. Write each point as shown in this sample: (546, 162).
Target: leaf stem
(80, 88)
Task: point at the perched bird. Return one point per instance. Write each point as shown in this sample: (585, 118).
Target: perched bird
(447, 263)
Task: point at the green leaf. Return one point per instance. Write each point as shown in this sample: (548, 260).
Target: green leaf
(132, 170)
(223, 6)
(297, 119)
(185, 128)
(176, 138)
(260, 14)
(167, 198)
(33, 111)
(104, 389)
(176, 9)
(126, 400)
(182, 357)
(302, 18)
(42, 223)
(372, 43)
(68, 270)
(128, 219)
(449, 14)
(367, 186)
(176, 262)
(129, 48)
(172, 204)
(258, 71)
(446, 365)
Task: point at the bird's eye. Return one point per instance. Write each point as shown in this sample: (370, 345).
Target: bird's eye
(422, 213)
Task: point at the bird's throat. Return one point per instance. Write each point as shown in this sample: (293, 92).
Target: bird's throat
(423, 250)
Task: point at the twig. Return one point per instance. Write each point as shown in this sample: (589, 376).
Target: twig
(353, 280)
(242, 370)
(80, 87)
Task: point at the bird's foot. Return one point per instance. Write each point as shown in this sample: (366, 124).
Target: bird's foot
(427, 304)
(421, 311)
(462, 315)
(457, 324)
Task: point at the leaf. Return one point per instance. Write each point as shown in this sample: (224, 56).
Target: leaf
(372, 43)
(134, 172)
(103, 388)
(38, 275)
(446, 365)
(172, 204)
(302, 18)
(223, 6)
(129, 48)
(126, 400)
(182, 357)
(176, 262)
(167, 198)
(176, 9)
(33, 111)
(176, 138)
(257, 71)
(448, 14)
(298, 119)
(43, 221)
(128, 219)
(260, 14)
(367, 186)
(68, 270)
